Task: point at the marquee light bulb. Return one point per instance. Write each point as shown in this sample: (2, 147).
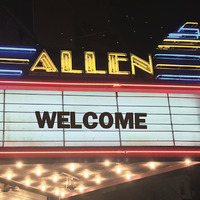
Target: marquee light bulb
(19, 164)
(81, 189)
(27, 183)
(107, 163)
(86, 174)
(188, 161)
(128, 176)
(57, 192)
(38, 172)
(98, 180)
(55, 178)
(118, 170)
(152, 165)
(43, 188)
(9, 176)
(62, 194)
(72, 167)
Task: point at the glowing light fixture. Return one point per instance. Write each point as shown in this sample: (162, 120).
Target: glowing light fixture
(72, 167)
(118, 170)
(55, 178)
(187, 161)
(62, 194)
(19, 164)
(57, 192)
(38, 172)
(152, 165)
(11, 72)
(128, 176)
(27, 183)
(98, 181)
(9, 176)
(43, 188)
(81, 189)
(17, 49)
(107, 163)
(86, 174)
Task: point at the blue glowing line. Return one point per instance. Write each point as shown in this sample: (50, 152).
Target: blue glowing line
(178, 79)
(6, 72)
(181, 76)
(179, 35)
(189, 29)
(178, 55)
(17, 49)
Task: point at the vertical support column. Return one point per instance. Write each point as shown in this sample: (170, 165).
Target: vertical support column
(4, 97)
(120, 139)
(170, 115)
(63, 111)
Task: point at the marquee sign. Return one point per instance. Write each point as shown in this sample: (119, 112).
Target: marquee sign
(66, 114)
(69, 119)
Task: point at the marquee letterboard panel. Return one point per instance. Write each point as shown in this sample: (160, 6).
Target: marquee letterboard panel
(171, 119)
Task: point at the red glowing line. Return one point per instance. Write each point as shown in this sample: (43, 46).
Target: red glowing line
(99, 84)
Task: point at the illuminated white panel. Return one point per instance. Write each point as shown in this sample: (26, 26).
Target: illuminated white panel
(189, 138)
(185, 110)
(186, 119)
(33, 98)
(145, 138)
(34, 138)
(97, 102)
(1, 117)
(92, 138)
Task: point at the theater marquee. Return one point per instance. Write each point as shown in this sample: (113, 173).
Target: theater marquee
(72, 118)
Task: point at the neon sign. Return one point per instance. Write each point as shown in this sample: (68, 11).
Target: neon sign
(44, 63)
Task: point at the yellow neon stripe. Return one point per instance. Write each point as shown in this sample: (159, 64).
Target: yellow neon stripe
(181, 40)
(14, 59)
(190, 23)
(168, 46)
(173, 65)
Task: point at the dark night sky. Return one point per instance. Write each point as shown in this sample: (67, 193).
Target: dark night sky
(118, 25)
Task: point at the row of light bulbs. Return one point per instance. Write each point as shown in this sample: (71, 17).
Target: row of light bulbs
(151, 165)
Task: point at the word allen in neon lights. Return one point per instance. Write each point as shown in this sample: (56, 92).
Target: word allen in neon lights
(114, 60)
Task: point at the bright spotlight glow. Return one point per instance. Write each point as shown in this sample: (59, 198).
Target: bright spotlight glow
(86, 174)
(27, 183)
(72, 167)
(128, 176)
(38, 172)
(98, 181)
(107, 163)
(188, 161)
(81, 189)
(118, 170)
(19, 164)
(55, 179)
(57, 192)
(9, 176)
(43, 188)
(152, 165)
(62, 194)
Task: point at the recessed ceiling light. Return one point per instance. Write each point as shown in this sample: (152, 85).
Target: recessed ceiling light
(27, 183)
(72, 167)
(9, 176)
(19, 164)
(81, 189)
(55, 178)
(38, 172)
(62, 194)
(107, 163)
(98, 181)
(86, 174)
(43, 188)
(118, 170)
(187, 161)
